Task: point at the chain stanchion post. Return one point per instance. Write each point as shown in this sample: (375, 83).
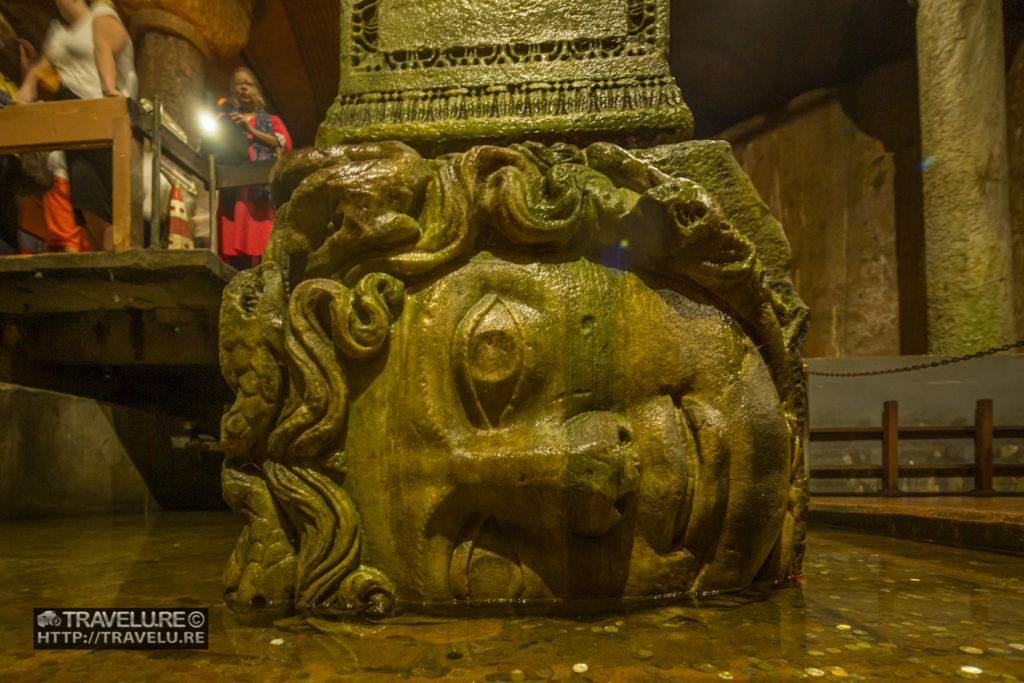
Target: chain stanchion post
(805, 440)
(890, 448)
(983, 470)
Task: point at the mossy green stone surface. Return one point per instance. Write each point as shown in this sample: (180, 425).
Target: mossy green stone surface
(524, 373)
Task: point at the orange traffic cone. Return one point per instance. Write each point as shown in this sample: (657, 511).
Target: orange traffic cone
(178, 234)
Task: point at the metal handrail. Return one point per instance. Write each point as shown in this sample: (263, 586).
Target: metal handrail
(82, 124)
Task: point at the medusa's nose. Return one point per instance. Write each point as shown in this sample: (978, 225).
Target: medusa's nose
(603, 471)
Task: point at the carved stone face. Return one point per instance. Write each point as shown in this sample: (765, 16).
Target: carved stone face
(561, 430)
(439, 397)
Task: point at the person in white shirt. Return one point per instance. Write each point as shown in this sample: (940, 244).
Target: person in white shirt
(91, 52)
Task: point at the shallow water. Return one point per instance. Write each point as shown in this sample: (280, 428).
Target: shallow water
(868, 607)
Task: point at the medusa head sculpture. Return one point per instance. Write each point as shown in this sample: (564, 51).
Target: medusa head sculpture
(518, 373)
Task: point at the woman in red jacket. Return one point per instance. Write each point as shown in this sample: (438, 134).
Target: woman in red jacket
(245, 215)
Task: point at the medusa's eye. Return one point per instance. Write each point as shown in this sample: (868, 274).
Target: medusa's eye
(489, 357)
(495, 355)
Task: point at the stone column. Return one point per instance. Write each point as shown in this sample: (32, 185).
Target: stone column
(1015, 121)
(175, 41)
(965, 174)
(173, 69)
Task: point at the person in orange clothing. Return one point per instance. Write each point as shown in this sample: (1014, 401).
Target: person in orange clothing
(90, 49)
(47, 221)
(40, 221)
(63, 232)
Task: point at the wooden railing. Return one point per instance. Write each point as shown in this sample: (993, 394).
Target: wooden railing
(121, 125)
(80, 124)
(890, 434)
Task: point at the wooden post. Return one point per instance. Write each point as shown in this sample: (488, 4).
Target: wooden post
(890, 449)
(121, 198)
(983, 470)
(211, 183)
(155, 220)
(84, 124)
(805, 437)
(138, 191)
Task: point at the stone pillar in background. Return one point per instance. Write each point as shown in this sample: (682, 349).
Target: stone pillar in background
(1015, 118)
(174, 69)
(175, 41)
(966, 175)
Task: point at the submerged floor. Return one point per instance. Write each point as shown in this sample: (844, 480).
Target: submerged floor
(868, 607)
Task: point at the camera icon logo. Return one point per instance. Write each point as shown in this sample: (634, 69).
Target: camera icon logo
(48, 618)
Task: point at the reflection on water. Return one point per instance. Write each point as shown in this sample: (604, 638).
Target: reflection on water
(869, 607)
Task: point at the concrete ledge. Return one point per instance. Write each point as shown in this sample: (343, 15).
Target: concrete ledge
(60, 455)
(66, 455)
(987, 523)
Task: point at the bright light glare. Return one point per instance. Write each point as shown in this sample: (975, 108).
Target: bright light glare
(208, 122)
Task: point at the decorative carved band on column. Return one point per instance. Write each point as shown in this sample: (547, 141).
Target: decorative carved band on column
(446, 75)
(145, 20)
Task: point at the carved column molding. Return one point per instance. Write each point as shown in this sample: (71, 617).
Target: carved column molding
(442, 76)
(146, 20)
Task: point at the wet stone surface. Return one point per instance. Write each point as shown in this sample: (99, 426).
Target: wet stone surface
(869, 608)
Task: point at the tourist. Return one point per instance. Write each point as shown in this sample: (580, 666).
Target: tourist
(9, 164)
(92, 54)
(245, 215)
(46, 218)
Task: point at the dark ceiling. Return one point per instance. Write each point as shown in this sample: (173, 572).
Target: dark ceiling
(738, 58)
(733, 59)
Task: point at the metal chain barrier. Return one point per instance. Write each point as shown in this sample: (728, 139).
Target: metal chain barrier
(924, 366)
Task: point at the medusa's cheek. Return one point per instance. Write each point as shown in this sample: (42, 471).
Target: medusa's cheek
(758, 443)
